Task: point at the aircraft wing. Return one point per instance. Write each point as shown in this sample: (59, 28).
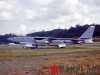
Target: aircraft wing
(52, 38)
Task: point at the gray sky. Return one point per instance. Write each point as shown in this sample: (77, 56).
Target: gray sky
(24, 16)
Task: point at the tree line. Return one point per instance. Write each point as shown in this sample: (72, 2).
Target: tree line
(67, 33)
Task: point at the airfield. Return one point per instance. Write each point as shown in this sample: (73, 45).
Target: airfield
(15, 60)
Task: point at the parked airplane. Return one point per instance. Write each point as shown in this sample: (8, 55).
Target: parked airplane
(34, 42)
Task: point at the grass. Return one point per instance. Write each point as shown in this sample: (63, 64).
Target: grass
(45, 63)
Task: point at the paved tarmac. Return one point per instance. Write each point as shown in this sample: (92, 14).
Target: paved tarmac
(5, 46)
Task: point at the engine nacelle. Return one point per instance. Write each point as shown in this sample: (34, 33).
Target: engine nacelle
(63, 45)
(88, 41)
(44, 41)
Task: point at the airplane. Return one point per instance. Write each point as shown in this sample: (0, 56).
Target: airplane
(35, 42)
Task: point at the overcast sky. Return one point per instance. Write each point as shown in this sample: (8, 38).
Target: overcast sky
(24, 16)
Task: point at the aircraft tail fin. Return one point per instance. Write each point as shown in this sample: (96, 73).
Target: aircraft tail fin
(88, 34)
